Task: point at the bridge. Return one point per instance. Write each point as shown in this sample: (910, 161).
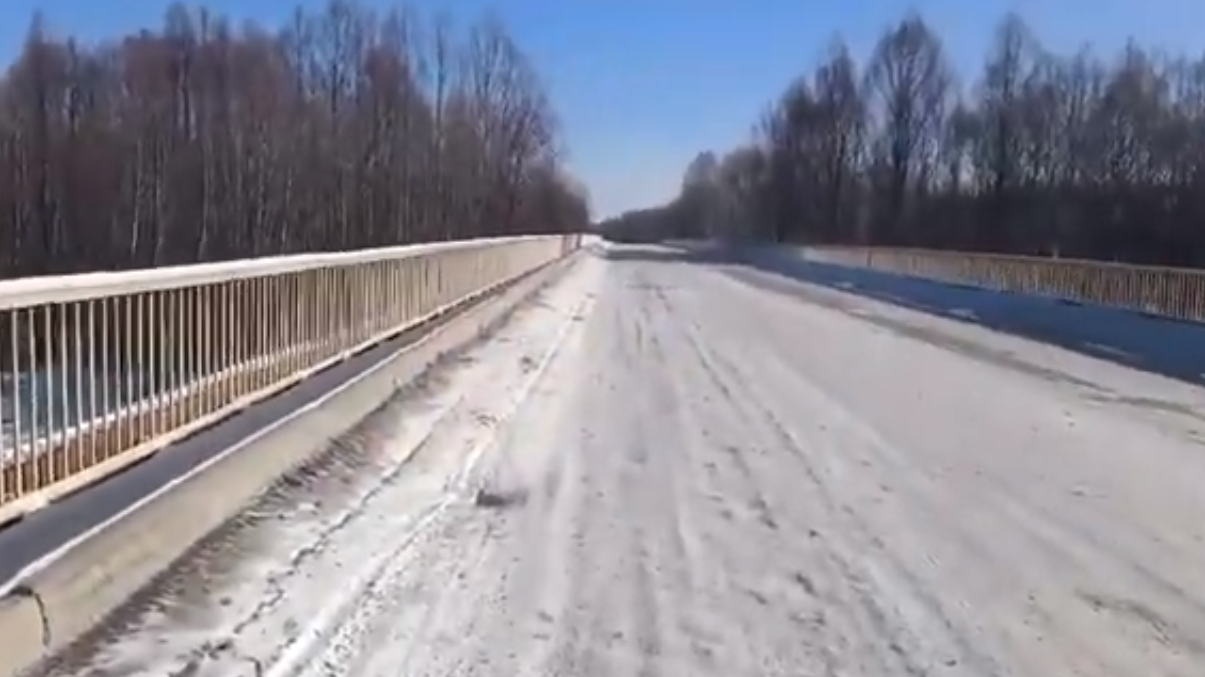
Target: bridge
(557, 455)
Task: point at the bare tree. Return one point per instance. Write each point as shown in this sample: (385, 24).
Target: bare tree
(1047, 154)
(909, 86)
(202, 142)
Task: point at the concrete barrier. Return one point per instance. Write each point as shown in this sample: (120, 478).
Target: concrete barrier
(55, 605)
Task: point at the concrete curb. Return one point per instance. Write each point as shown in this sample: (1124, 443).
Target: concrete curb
(55, 606)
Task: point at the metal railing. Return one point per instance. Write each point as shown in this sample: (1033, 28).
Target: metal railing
(1177, 293)
(98, 371)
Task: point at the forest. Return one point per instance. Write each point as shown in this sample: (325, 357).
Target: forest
(202, 140)
(1043, 153)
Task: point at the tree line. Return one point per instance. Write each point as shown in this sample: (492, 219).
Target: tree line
(202, 140)
(1041, 153)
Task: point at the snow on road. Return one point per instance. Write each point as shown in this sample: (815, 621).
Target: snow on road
(712, 471)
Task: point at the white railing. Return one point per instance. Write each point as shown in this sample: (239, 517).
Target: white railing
(1177, 293)
(103, 369)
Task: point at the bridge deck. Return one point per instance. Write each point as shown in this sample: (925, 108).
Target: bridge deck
(709, 470)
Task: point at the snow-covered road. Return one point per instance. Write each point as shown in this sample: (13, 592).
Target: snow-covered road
(714, 471)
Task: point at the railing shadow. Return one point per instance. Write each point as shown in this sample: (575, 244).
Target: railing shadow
(1171, 348)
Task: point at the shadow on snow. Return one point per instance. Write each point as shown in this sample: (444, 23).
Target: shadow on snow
(1167, 347)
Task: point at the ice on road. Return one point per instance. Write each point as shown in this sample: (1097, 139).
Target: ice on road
(714, 471)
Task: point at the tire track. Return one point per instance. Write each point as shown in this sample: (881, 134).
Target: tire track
(858, 568)
(1008, 535)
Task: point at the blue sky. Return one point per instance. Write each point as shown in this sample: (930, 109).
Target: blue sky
(642, 85)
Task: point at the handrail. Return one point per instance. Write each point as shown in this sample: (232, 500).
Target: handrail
(1176, 293)
(1020, 258)
(103, 369)
(84, 286)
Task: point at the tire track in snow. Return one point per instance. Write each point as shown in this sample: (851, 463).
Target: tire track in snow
(343, 632)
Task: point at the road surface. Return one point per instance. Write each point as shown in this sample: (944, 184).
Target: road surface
(709, 470)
